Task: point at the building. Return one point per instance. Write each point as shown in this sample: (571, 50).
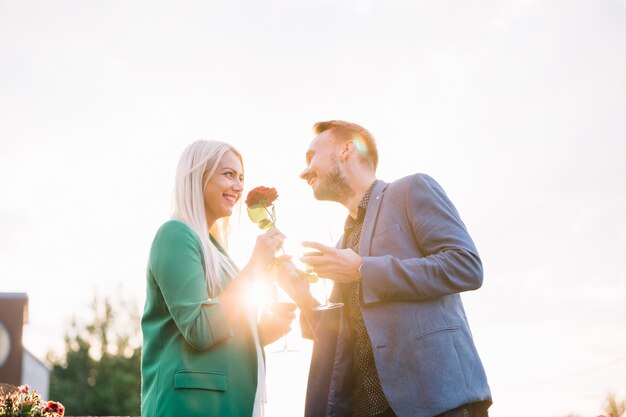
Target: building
(17, 365)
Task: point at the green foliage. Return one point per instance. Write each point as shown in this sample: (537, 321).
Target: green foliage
(100, 373)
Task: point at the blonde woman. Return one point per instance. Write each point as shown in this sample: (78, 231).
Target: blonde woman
(202, 346)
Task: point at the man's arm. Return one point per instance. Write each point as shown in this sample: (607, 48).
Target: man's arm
(450, 263)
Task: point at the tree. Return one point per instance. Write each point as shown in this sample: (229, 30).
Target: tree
(100, 373)
(612, 407)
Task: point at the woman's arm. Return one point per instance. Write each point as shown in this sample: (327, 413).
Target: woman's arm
(176, 264)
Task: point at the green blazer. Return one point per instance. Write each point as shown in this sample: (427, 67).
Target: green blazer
(193, 363)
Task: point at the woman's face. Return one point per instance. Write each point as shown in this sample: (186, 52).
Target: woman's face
(224, 188)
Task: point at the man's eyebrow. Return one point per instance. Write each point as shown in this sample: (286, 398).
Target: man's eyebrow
(309, 155)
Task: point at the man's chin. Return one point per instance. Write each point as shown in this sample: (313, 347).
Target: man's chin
(323, 195)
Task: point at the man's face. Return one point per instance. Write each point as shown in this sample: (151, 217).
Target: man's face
(323, 171)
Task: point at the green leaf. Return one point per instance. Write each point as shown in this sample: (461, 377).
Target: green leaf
(257, 214)
(265, 224)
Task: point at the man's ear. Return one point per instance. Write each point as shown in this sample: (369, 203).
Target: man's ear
(346, 150)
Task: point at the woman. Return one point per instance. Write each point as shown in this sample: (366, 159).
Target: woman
(202, 351)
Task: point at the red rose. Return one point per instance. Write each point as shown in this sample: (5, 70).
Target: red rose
(261, 196)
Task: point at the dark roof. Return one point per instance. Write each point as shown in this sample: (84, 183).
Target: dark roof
(13, 296)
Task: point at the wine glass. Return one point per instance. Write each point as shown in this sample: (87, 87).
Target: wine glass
(282, 307)
(278, 305)
(328, 305)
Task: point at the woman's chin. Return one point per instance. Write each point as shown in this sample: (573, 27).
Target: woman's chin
(228, 211)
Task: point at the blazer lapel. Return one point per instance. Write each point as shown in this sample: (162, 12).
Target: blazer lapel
(370, 217)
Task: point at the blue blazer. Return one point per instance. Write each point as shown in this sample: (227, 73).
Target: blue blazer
(417, 258)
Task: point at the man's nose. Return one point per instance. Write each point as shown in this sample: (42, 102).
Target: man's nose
(304, 173)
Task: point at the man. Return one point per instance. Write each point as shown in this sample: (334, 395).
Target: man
(401, 345)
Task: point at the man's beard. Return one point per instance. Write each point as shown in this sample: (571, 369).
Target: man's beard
(334, 186)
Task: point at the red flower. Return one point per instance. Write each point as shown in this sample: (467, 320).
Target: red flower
(261, 196)
(54, 407)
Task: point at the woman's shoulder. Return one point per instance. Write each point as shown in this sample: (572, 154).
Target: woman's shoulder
(175, 232)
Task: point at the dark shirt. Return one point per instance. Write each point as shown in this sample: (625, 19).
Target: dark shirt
(368, 399)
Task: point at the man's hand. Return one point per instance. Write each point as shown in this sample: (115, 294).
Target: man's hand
(341, 265)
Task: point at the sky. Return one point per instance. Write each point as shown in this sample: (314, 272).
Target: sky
(516, 107)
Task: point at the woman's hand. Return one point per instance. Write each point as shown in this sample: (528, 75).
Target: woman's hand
(267, 244)
(275, 322)
(294, 282)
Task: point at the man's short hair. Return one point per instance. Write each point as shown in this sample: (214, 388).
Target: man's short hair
(363, 139)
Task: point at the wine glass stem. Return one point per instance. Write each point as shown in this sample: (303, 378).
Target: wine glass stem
(325, 291)
(275, 298)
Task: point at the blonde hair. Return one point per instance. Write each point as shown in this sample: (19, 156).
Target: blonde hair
(196, 166)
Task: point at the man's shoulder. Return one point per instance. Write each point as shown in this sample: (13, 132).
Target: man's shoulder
(413, 182)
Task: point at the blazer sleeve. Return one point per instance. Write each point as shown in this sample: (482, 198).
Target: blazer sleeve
(448, 262)
(177, 267)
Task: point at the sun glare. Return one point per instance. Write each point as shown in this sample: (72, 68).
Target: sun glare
(260, 295)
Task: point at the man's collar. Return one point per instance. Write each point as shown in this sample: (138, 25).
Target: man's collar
(366, 197)
(350, 222)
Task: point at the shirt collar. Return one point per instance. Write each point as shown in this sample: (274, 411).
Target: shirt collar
(362, 209)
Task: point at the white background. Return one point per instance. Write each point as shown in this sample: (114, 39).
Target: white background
(517, 107)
